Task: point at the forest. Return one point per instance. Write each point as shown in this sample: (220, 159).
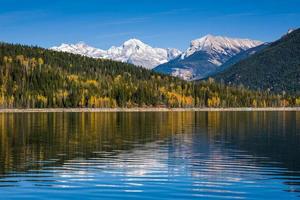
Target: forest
(33, 77)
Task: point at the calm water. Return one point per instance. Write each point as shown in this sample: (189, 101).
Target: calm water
(184, 155)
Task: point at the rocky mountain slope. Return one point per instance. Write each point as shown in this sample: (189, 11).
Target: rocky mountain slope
(205, 55)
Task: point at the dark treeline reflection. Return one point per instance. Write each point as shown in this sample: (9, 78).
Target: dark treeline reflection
(275, 135)
(26, 139)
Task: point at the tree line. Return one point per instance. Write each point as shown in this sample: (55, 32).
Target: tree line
(33, 77)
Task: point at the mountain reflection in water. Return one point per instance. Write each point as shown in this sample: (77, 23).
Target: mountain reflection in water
(178, 155)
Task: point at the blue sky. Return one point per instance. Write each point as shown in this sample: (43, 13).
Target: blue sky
(160, 23)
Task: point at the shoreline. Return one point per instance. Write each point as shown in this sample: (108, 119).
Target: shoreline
(87, 110)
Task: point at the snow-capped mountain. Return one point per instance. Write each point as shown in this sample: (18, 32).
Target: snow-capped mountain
(205, 55)
(223, 45)
(132, 51)
(80, 48)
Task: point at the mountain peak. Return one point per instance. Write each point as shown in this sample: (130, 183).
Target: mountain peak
(134, 42)
(220, 44)
(208, 36)
(81, 43)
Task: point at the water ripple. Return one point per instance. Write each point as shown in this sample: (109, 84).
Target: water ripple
(163, 156)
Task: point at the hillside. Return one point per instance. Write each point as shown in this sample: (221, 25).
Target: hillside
(275, 68)
(32, 77)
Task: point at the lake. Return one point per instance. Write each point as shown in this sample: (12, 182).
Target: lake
(151, 155)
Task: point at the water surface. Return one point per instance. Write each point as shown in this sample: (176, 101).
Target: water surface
(168, 155)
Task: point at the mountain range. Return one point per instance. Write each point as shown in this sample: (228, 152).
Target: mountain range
(132, 51)
(203, 57)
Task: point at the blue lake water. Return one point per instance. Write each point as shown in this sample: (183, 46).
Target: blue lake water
(168, 155)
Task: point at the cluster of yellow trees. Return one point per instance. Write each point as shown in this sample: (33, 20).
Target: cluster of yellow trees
(298, 101)
(177, 100)
(6, 101)
(102, 102)
(24, 61)
(213, 101)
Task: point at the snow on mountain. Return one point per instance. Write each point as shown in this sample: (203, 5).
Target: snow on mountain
(221, 45)
(80, 48)
(173, 53)
(205, 55)
(291, 30)
(132, 51)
